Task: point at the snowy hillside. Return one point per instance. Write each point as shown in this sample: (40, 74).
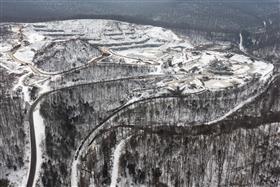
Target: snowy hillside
(86, 90)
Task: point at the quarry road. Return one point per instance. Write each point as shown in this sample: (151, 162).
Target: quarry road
(33, 162)
(32, 170)
(37, 71)
(94, 60)
(100, 129)
(116, 159)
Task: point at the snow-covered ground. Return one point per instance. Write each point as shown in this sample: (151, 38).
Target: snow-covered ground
(24, 88)
(39, 128)
(192, 71)
(19, 177)
(116, 160)
(178, 52)
(25, 54)
(74, 173)
(240, 105)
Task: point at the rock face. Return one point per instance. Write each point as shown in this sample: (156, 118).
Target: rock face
(130, 105)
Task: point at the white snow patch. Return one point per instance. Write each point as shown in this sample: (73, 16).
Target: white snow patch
(44, 88)
(10, 66)
(25, 54)
(116, 160)
(146, 53)
(7, 68)
(92, 181)
(241, 58)
(264, 69)
(240, 69)
(17, 177)
(237, 107)
(39, 128)
(33, 37)
(217, 84)
(4, 48)
(25, 89)
(74, 173)
(161, 34)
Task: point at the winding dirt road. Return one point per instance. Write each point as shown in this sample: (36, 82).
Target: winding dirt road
(89, 139)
